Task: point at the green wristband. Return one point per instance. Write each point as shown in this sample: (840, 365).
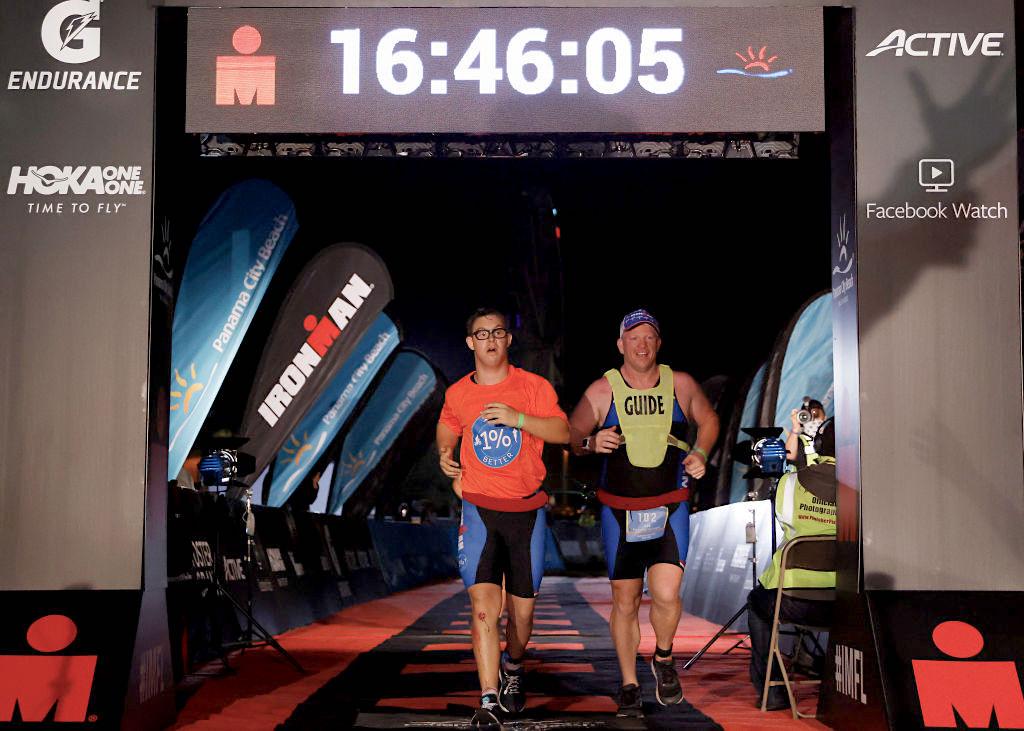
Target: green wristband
(522, 418)
(701, 452)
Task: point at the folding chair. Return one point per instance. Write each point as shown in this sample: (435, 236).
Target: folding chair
(814, 553)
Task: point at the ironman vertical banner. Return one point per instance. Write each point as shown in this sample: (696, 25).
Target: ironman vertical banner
(233, 257)
(334, 300)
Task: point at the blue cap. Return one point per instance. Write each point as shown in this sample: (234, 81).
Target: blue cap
(638, 317)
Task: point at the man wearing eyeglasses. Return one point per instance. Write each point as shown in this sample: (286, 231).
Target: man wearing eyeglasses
(503, 415)
(636, 416)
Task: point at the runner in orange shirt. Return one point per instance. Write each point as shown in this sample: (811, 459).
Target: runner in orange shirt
(503, 415)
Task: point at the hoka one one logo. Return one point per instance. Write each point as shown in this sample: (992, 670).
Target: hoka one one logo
(77, 180)
(939, 44)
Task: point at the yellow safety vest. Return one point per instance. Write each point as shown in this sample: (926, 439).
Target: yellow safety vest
(645, 417)
(810, 455)
(801, 514)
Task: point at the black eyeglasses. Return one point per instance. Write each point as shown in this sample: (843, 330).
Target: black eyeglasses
(497, 333)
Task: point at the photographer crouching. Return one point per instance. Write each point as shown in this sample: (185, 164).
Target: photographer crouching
(805, 504)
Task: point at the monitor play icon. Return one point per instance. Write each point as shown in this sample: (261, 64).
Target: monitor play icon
(935, 175)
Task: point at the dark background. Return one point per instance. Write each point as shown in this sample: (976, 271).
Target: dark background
(722, 251)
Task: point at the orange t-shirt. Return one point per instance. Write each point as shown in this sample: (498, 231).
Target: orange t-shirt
(500, 463)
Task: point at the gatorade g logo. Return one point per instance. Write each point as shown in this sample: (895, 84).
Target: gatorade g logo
(495, 446)
(68, 32)
(964, 693)
(47, 687)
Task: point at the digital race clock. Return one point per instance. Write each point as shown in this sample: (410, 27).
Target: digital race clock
(504, 70)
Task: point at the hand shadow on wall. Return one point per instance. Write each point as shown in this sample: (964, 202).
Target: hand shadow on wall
(894, 265)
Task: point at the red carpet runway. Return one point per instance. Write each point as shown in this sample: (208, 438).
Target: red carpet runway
(406, 662)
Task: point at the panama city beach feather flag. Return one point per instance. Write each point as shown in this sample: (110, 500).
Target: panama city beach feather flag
(233, 257)
(404, 388)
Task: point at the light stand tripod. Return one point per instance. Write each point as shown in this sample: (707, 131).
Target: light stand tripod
(255, 634)
(752, 540)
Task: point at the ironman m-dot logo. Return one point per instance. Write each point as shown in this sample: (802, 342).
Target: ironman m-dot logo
(47, 686)
(69, 32)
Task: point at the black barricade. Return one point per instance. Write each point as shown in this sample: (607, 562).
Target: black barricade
(579, 546)
(352, 542)
(412, 554)
(303, 567)
(320, 577)
(200, 551)
(278, 573)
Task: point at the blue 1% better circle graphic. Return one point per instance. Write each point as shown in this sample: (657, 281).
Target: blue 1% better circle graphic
(495, 446)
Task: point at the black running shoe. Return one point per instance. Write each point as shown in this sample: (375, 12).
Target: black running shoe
(512, 694)
(487, 716)
(667, 687)
(630, 702)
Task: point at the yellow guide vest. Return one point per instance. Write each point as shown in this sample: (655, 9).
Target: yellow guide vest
(645, 417)
(801, 514)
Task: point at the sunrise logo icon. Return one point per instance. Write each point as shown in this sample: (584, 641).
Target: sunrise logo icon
(188, 389)
(758, 65)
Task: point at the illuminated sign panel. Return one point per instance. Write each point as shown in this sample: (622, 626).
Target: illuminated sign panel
(507, 70)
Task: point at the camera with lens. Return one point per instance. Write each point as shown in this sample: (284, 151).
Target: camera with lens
(804, 414)
(809, 409)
